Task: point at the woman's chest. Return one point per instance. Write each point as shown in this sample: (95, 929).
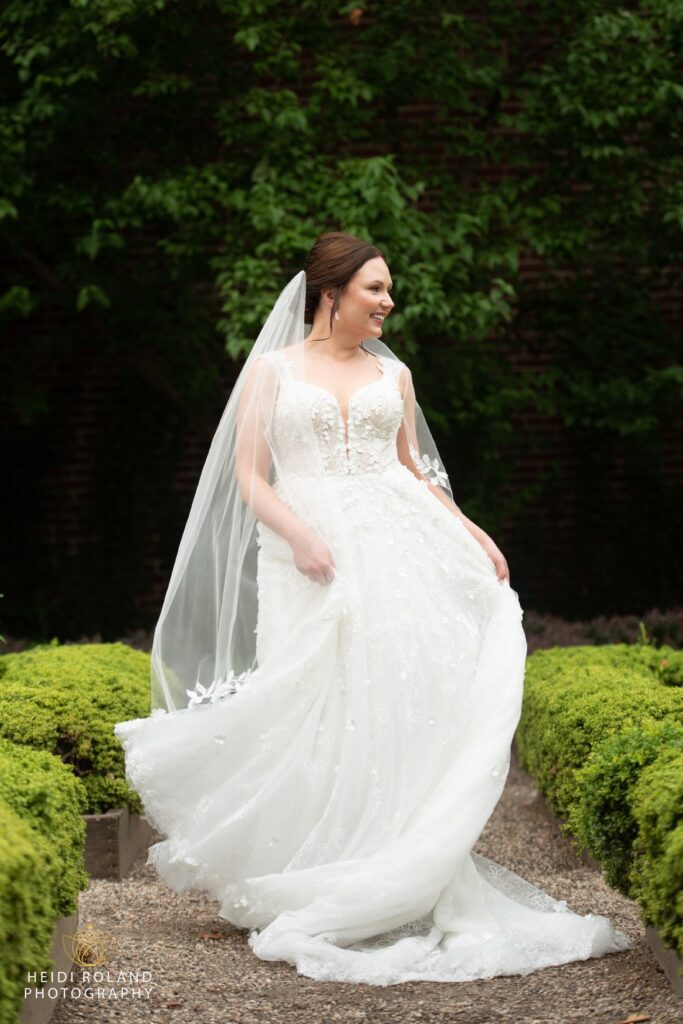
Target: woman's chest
(309, 424)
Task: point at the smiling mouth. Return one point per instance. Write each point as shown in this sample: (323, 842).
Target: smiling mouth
(378, 317)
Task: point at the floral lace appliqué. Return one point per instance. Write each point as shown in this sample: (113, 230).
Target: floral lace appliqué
(217, 690)
(430, 468)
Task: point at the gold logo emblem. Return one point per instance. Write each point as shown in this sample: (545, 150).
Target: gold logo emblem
(88, 947)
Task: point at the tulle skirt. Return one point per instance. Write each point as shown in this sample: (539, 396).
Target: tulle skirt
(331, 806)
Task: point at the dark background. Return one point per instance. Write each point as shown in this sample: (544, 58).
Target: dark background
(164, 175)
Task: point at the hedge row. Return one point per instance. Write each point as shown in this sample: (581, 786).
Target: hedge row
(601, 731)
(59, 759)
(66, 699)
(42, 834)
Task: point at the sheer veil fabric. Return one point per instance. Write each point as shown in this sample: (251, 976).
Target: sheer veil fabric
(204, 641)
(323, 758)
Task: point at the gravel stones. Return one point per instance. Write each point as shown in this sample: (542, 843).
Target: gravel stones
(203, 970)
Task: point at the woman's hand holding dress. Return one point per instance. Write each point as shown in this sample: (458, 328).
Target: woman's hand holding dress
(312, 556)
(498, 559)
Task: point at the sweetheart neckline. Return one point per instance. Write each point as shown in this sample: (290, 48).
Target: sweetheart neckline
(335, 400)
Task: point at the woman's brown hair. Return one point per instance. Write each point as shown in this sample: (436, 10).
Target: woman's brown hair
(331, 263)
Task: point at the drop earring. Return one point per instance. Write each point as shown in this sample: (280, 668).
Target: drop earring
(336, 314)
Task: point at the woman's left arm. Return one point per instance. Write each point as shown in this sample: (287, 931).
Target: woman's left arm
(403, 446)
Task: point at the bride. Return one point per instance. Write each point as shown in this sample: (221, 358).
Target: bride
(337, 671)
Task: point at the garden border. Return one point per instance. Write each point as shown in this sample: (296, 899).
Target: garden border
(35, 1011)
(112, 842)
(667, 958)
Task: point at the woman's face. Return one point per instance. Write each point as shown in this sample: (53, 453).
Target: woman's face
(367, 300)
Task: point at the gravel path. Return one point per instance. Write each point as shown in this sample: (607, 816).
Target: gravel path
(204, 971)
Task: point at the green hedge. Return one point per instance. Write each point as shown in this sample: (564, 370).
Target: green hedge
(65, 699)
(575, 697)
(602, 818)
(42, 836)
(629, 815)
(601, 731)
(657, 876)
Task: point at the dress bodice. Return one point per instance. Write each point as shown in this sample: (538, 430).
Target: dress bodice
(311, 436)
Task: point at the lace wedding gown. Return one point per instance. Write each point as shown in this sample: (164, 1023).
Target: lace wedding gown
(331, 806)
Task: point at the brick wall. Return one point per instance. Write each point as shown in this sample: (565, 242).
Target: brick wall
(92, 519)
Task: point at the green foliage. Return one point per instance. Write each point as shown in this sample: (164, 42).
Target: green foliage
(24, 896)
(45, 793)
(164, 173)
(602, 816)
(232, 158)
(657, 877)
(66, 700)
(670, 668)
(41, 862)
(628, 813)
(601, 731)
(576, 697)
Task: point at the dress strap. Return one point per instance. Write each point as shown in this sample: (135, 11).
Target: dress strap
(285, 363)
(278, 359)
(392, 367)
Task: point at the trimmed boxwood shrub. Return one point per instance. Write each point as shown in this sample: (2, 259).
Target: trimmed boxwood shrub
(65, 699)
(601, 731)
(576, 697)
(657, 875)
(45, 794)
(26, 912)
(602, 819)
(41, 862)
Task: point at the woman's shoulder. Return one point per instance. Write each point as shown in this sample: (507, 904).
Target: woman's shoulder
(268, 357)
(280, 355)
(392, 363)
(265, 370)
(273, 359)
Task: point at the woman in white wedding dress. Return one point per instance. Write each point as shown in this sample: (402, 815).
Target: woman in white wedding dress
(338, 671)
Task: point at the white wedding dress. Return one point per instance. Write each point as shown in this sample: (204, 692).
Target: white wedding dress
(332, 804)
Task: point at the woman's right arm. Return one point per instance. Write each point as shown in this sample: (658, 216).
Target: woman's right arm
(252, 465)
(407, 440)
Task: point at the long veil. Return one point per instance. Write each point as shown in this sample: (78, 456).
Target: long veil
(204, 645)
